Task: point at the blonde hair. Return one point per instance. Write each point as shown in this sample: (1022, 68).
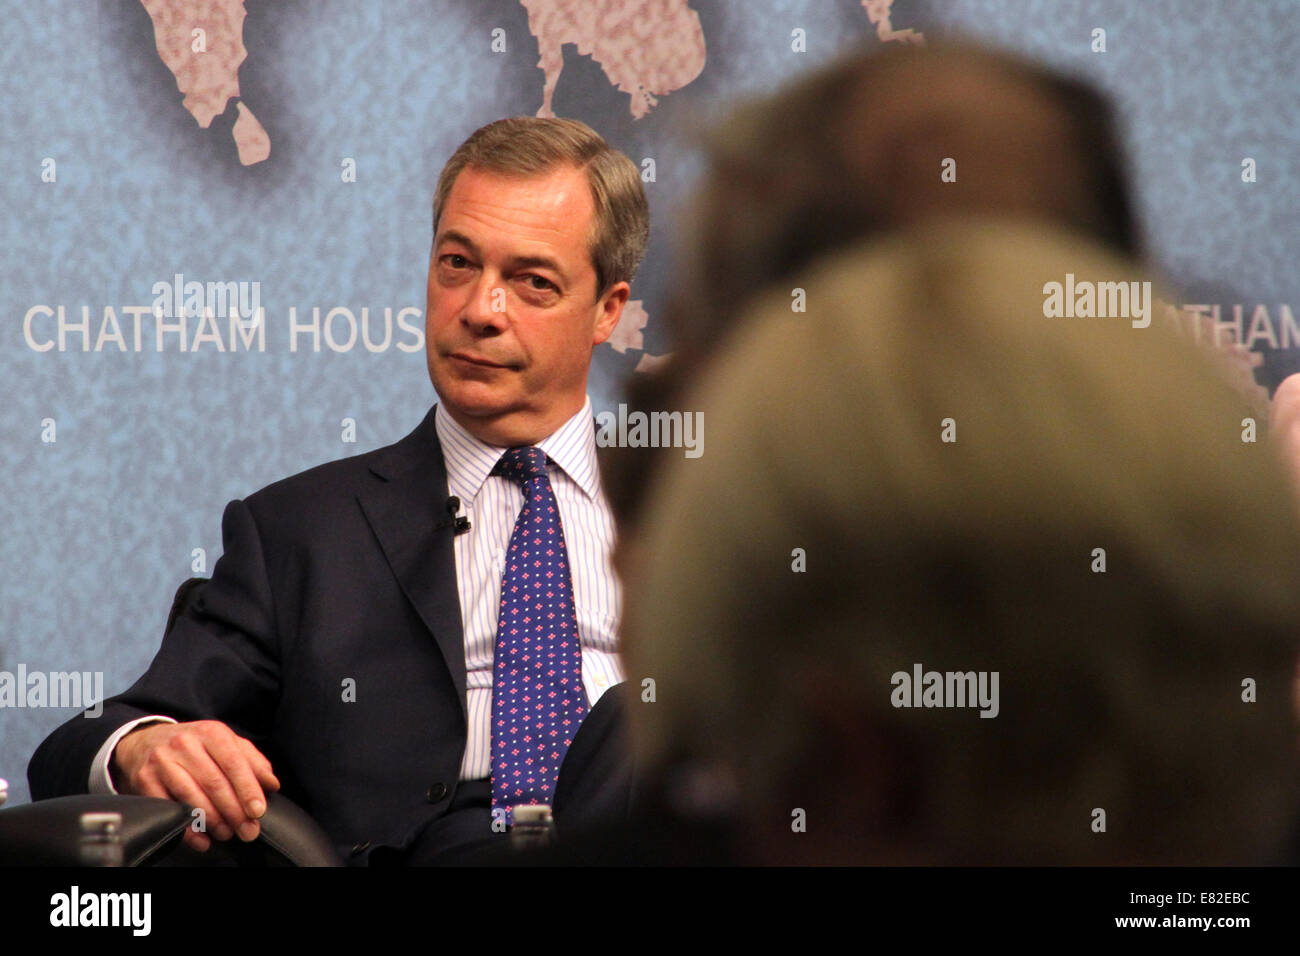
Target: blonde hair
(1120, 690)
(530, 145)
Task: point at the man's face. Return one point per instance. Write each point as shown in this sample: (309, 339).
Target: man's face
(512, 311)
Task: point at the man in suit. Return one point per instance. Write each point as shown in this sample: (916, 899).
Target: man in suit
(346, 649)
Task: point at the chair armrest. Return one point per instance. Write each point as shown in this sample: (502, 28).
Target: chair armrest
(48, 832)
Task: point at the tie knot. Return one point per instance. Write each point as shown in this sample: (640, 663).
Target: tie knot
(523, 463)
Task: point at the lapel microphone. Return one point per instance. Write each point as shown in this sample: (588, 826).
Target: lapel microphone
(460, 523)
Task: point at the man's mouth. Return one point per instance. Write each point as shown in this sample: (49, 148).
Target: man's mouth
(475, 360)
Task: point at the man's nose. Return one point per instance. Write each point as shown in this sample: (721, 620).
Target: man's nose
(486, 306)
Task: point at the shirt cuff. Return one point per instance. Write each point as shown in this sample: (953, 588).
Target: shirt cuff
(101, 781)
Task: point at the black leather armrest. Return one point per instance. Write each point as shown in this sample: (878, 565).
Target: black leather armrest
(290, 832)
(48, 832)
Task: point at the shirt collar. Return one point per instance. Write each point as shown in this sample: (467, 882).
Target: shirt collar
(470, 460)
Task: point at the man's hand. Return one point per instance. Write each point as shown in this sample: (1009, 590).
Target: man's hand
(204, 764)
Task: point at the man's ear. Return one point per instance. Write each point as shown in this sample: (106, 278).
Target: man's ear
(609, 310)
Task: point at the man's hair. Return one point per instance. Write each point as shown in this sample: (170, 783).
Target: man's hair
(855, 150)
(530, 146)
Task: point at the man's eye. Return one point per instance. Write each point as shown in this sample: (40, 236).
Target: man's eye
(456, 261)
(539, 284)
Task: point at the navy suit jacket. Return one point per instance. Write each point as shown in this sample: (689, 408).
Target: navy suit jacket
(342, 573)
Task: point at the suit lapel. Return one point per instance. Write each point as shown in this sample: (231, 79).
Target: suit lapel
(406, 508)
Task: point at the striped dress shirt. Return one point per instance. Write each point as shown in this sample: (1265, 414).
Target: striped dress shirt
(492, 504)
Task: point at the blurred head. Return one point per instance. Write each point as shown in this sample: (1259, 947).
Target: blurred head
(1096, 533)
(862, 147)
(538, 229)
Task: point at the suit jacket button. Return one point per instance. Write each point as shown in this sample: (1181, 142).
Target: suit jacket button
(437, 792)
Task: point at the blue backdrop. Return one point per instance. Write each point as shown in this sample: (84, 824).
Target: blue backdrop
(119, 456)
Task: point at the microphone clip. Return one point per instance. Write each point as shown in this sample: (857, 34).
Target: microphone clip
(460, 523)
